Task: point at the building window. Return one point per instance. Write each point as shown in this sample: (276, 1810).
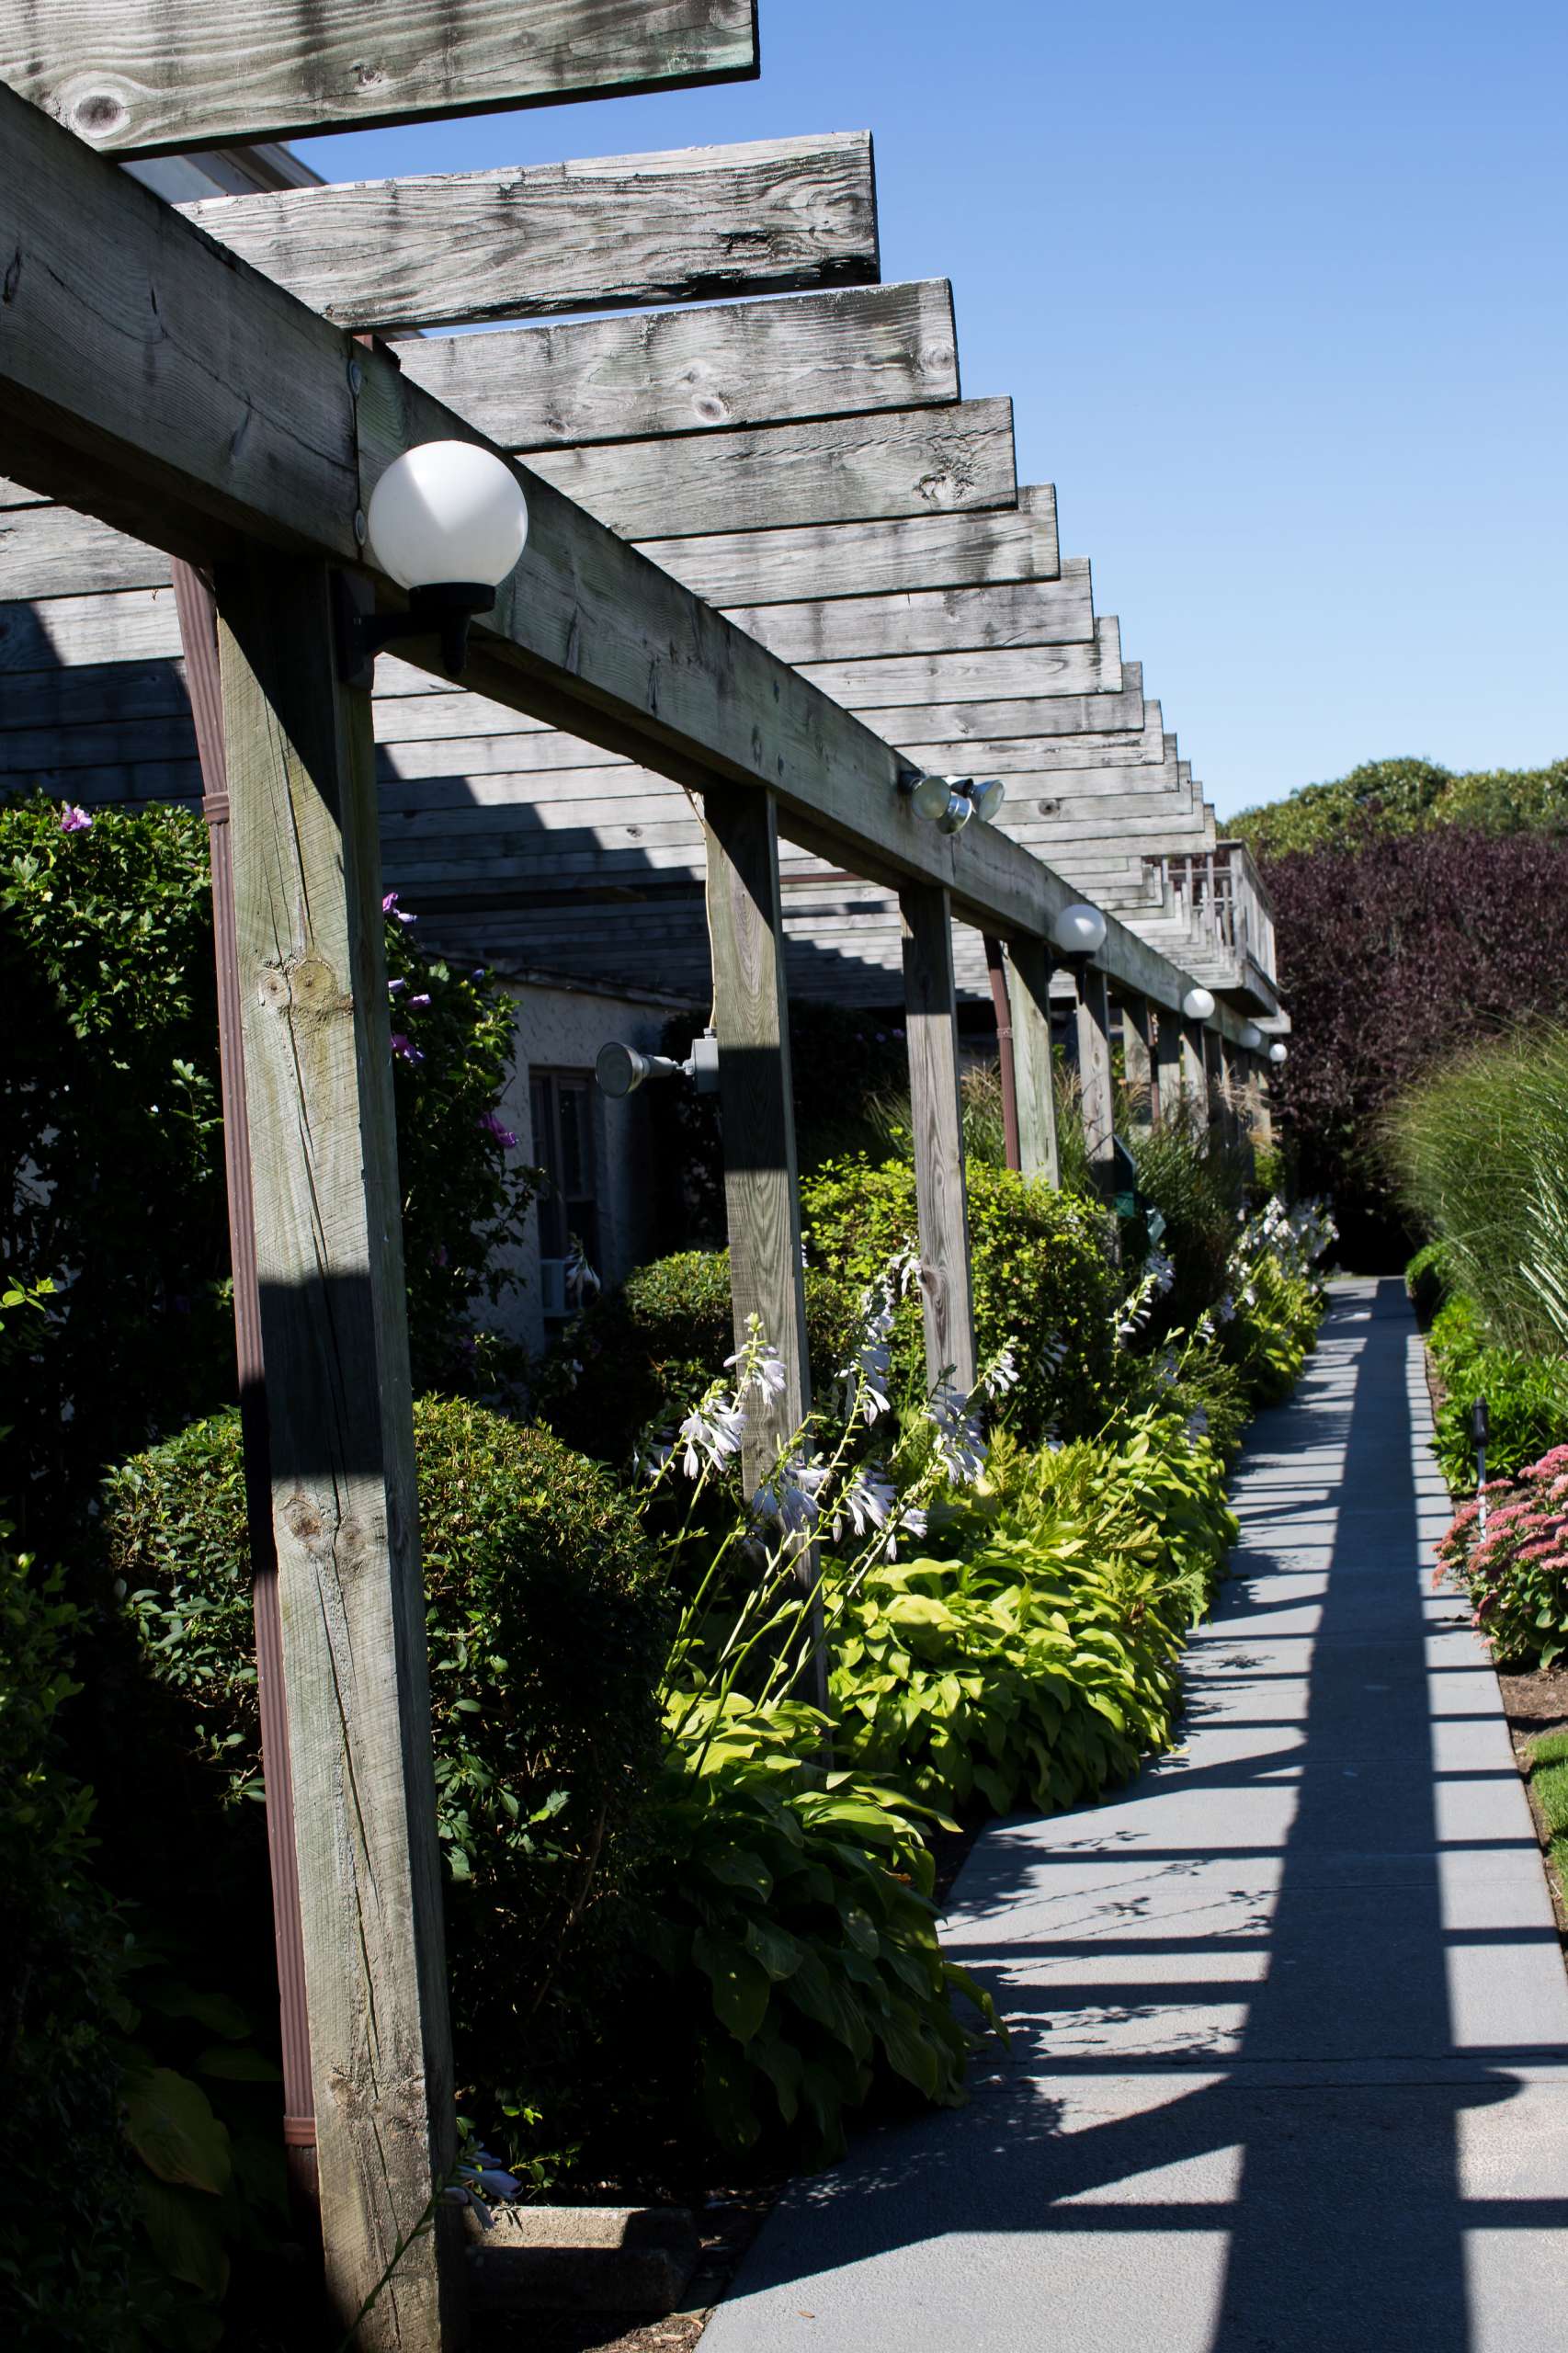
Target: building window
(563, 1108)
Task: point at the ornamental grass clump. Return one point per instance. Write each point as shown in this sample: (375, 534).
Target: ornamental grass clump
(1480, 1156)
(1509, 1548)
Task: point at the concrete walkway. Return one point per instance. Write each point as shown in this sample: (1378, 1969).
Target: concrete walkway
(1290, 2063)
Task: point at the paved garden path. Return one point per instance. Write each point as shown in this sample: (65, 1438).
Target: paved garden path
(1289, 2060)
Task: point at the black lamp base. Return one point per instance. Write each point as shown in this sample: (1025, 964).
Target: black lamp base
(441, 609)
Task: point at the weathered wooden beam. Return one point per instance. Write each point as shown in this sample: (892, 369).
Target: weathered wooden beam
(614, 231)
(844, 629)
(1095, 1083)
(833, 470)
(181, 396)
(941, 550)
(1026, 758)
(844, 353)
(937, 1121)
(1028, 993)
(328, 1226)
(751, 1014)
(148, 77)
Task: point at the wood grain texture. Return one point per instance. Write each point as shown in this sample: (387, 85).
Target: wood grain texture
(52, 638)
(1095, 1084)
(835, 470)
(50, 552)
(146, 77)
(451, 248)
(1034, 717)
(1008, 671)
(868, 558)
(328, 1227)
(838, 353)
(762, 1203)
(1047, 612)
(937, 1121)
(1028, 998)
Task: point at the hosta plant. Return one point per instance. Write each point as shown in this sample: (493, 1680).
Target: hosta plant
(790, 1914)
(1509, 1548)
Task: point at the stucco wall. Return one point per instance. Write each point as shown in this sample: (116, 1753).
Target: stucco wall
(562, 1029)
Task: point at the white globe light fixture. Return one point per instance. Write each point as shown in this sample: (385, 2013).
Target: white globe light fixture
(1197, 1005)
(1252, 1038)
(448, 521)
(1079, 931)
(1278, 1052)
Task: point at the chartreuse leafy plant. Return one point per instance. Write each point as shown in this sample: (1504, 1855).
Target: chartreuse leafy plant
(793, 1923)
(1033, 1660)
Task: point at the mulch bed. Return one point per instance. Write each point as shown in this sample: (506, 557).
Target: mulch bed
(1534, 1704)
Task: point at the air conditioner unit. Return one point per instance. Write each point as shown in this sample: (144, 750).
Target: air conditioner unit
(553, 1285)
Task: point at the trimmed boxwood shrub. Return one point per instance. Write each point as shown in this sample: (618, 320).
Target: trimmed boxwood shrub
(1043, 1280)
(655, 1343)
(547, 1626)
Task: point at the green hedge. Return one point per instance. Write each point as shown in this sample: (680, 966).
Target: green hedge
(1042, 1280)
(547, 1625)
(1526, 1398)
(652, 1345)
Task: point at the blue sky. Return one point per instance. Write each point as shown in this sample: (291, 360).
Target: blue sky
(1280, 299)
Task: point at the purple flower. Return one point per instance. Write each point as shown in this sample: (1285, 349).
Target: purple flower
(393, 986)
(493, 1127)
(389, 908)
(74, 820)
(403, 1049)
(423, 999)
(439, 1255)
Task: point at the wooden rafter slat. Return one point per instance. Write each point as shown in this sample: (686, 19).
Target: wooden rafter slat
(453, 248)
(846, 352)
(147, 78)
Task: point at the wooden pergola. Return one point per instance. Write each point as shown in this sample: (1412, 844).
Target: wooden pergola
(231, 406)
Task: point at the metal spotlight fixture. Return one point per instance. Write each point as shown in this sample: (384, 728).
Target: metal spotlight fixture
(987, 796)
(621, 1070)
(1197, 1005)
(957, 814)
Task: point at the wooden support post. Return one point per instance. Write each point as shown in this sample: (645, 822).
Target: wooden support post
(1169, 1082)
(937, 1117)
(199, 634)
(762, 1199)
(1195, 1068)
(1261, 1108)
(1139, 1066)
(310, 946)
(996, 967)
(1094, 1077)
(1028, 991)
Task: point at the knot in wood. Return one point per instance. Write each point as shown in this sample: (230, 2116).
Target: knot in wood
(306, 986)
(303, 1517)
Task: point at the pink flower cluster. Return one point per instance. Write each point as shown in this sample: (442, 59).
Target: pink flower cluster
(1515, 1565)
